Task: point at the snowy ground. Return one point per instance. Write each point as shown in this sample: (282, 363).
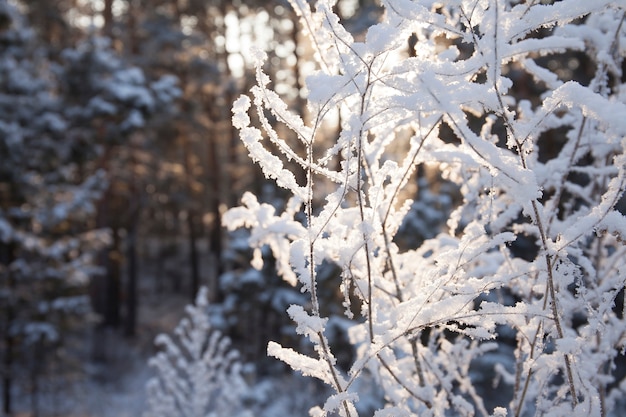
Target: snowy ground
(117, 388)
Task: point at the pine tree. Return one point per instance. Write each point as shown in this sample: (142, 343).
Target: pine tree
(48, 192)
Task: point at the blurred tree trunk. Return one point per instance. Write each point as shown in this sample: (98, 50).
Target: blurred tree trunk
(132, 42)
(214, 224)
(130, 321)
(113, 282)
(193, 253)
(133, 218)
(191, 216)
(107, 15)
(36, 372)
(6, 257)
(7, 364)
(218, 153)
(105, 288)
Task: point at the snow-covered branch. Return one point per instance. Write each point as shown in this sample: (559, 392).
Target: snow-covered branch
(527, 275)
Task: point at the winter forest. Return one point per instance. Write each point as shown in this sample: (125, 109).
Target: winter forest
(375, 208)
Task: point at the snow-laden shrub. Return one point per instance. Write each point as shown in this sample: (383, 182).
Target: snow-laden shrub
(198, 372)
(524, 287)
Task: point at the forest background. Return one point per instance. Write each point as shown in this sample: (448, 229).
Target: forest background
(119, 160)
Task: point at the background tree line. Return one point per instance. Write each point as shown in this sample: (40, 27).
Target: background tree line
(118, 159)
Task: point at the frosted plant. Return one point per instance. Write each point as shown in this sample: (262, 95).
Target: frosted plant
(198, 372)
(537, 157)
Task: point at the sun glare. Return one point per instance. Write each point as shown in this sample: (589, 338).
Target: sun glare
(89, 13)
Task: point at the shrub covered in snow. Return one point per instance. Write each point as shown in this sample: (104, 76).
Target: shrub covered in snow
(198, 373)
(483, 92)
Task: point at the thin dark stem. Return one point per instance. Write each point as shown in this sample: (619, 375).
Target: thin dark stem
(401, 383)
(314, 299)
(418, 363)
(531, 356)
(542, 231)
